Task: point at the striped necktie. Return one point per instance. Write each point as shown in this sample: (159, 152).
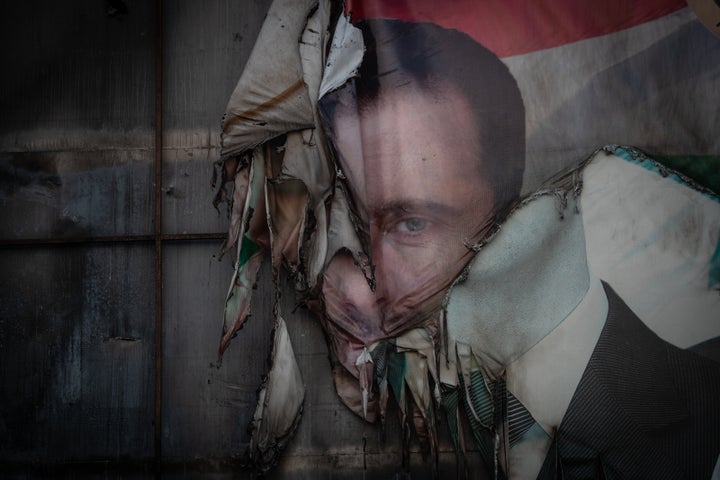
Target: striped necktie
(498, 420)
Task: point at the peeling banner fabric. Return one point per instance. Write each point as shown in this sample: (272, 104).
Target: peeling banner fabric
(445, 186)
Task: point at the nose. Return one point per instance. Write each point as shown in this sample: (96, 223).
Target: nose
(349, 300)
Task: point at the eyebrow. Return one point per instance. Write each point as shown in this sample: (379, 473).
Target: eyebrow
(401, 207)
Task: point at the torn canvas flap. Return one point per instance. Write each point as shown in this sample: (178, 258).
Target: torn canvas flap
(345, 57)
(241, 184)
(306, 159)
(312, 48)
(278, 90)
(418, 381)
(420, 342)
(379, 352)
(237, 305)
(341, 231)
(351, 394)
(286, 203)
(290, 51)
(315, 247)
(249, 253)
(451, 400)
(364, 364)
(271, 97)
(307, 156)
(468, 368)
(280, 402)
(396, 372)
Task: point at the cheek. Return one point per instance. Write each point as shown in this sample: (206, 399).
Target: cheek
(402, 270)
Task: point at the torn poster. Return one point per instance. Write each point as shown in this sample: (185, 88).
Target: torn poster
(430, 178)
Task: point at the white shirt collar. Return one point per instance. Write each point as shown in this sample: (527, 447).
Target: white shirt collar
(545, 377)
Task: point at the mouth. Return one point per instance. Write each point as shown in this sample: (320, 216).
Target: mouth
(363, 323)
(409, 312)
(370, 318)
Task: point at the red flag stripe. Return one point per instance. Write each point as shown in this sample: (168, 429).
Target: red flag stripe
(513, 27)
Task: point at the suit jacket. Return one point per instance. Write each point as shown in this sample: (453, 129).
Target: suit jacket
(643, 409)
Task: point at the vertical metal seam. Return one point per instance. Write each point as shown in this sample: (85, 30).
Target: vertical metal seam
(158, 231)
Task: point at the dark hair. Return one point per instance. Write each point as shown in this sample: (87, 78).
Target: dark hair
(428, 56)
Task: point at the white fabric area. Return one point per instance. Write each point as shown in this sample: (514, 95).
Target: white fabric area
(522, 284)
(574, 64)
(571, 91)
(652, 238)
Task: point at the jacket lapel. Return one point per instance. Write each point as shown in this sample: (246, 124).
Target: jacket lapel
(624, 402)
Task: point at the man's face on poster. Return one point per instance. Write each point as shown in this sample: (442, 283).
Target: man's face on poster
(413, 165)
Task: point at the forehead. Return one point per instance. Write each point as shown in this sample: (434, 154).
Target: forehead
(417, 107)
(407, 140)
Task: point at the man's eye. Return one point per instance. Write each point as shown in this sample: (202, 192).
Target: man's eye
(411, 225)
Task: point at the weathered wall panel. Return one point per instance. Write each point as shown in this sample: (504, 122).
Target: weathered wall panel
(76, 354)
(69, 67)
(187, 192)
(75, 193)
(76, 160)
(77, 96)
(207, 408)
(206, 47)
